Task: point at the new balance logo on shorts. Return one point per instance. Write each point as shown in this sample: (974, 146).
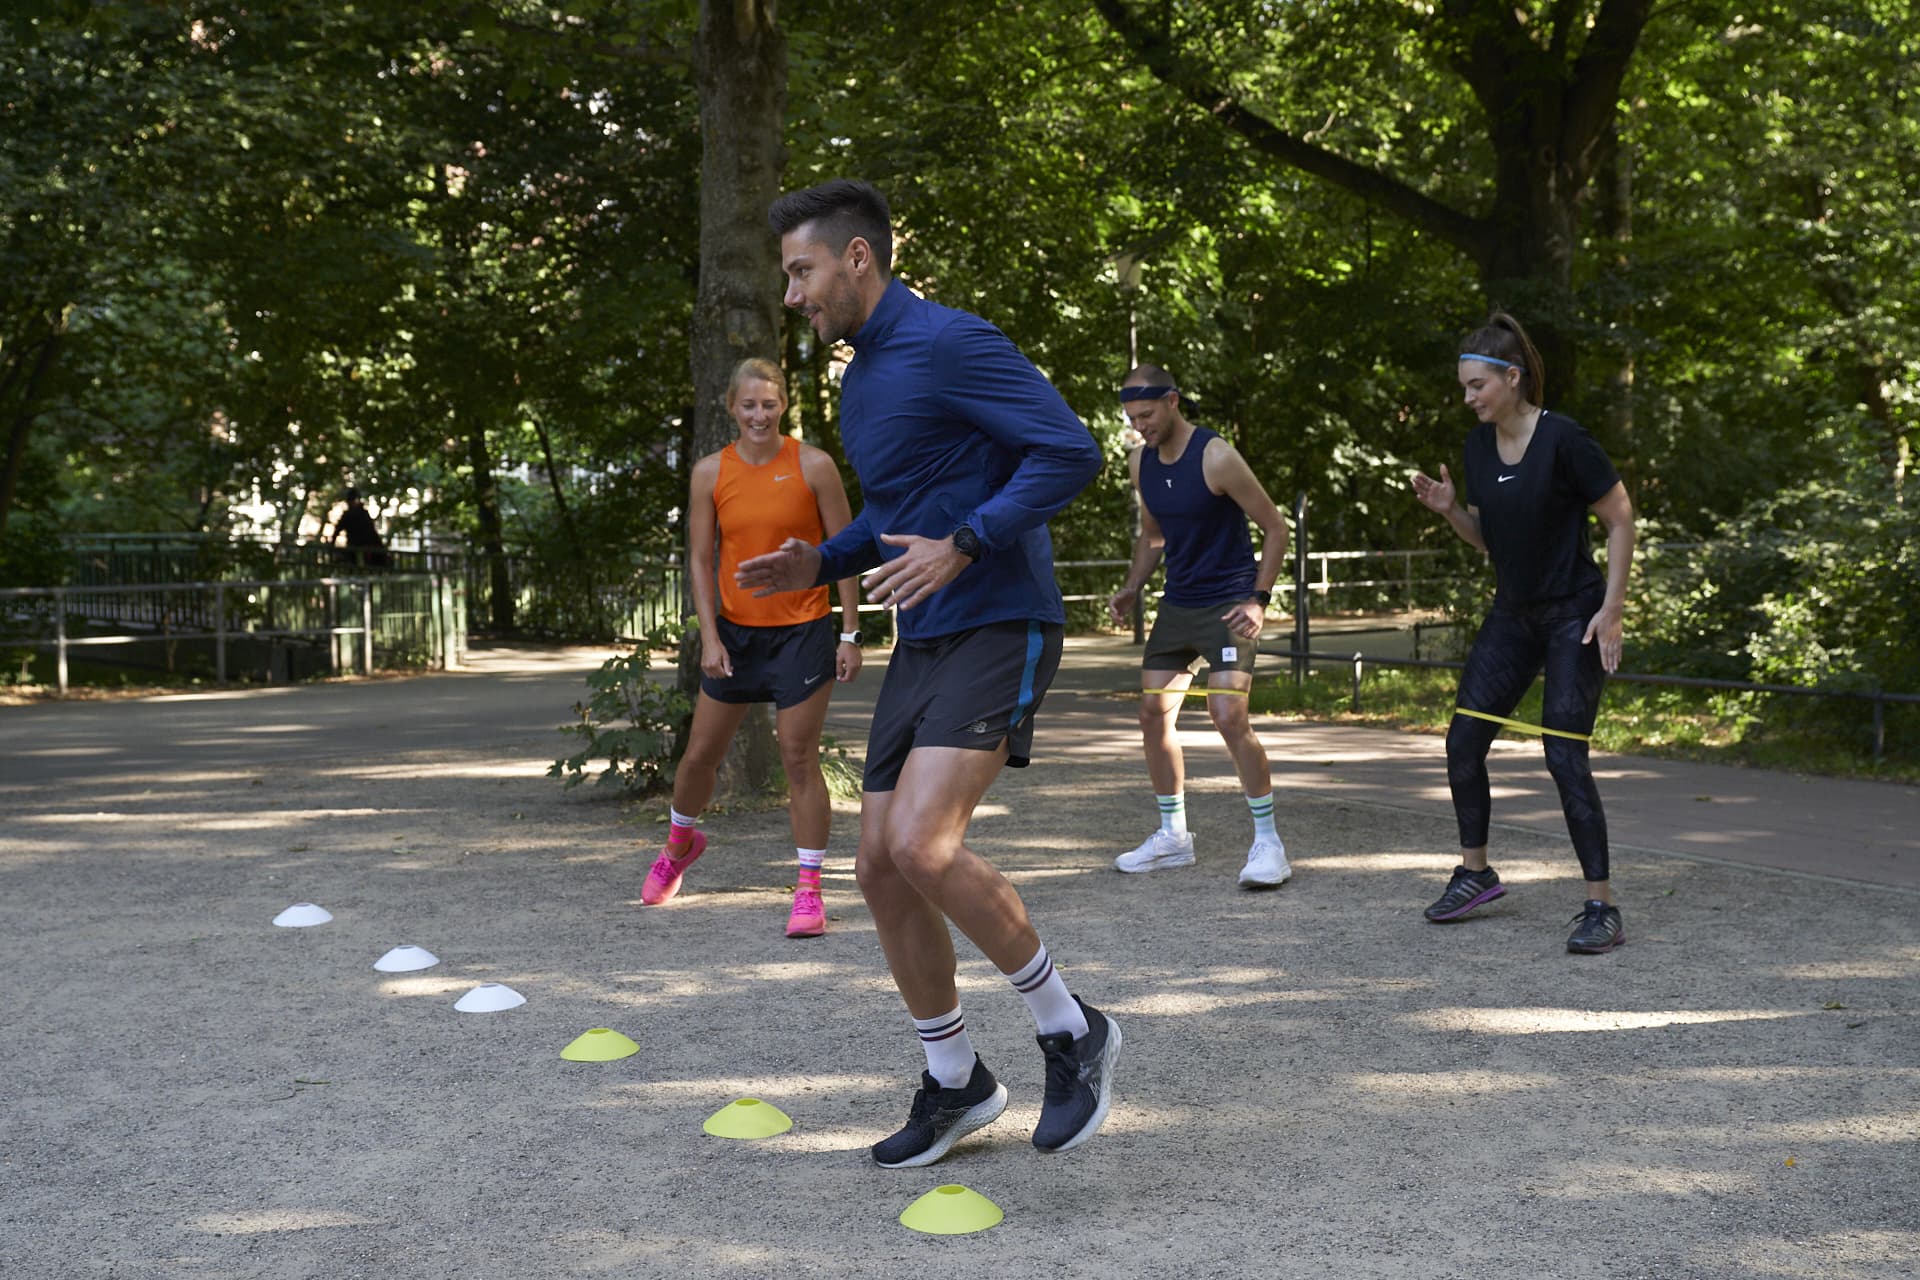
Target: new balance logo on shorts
(978, 726)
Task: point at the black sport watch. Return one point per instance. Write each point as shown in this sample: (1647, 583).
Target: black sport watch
(967, 542)
(1264, 597)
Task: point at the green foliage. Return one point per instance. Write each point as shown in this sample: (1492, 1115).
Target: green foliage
(1804, 735)
(628, 720)
(841, 774)
(441, 250)
(1817, 585)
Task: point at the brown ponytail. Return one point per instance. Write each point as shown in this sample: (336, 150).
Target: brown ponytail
(1502, 338)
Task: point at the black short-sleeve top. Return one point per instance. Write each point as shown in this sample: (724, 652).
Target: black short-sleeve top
(1533, 514)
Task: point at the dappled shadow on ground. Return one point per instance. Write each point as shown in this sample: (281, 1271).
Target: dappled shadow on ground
(1315, 1081)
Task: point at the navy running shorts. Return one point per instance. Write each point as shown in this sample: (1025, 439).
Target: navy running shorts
(974, 689)
(781, 665)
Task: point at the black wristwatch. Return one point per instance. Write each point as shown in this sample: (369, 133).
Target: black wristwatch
(1264, 597)
(967, 542)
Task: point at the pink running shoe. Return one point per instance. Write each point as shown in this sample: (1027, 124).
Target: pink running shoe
(809, 918)
(663, 880)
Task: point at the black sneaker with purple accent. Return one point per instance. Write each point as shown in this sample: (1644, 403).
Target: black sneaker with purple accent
(1596, 930)
(1467, 891)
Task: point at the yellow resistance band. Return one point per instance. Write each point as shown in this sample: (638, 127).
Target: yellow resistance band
(1522, 725)
(1205, 693)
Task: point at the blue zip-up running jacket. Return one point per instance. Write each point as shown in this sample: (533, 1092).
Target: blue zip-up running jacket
(946, 423)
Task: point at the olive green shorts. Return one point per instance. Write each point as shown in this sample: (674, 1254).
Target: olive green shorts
(1183, 635)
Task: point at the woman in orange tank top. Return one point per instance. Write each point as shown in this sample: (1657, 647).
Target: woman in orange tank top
(746, 500)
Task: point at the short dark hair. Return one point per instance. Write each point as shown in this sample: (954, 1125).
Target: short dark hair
(1149, 375)
(844, 208)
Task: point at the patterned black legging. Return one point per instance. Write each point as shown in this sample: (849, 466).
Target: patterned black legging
(1513, 646)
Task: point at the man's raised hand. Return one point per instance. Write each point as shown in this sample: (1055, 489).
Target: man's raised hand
(795, 566)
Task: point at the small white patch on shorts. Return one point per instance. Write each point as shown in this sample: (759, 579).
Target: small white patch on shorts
(1230, 654)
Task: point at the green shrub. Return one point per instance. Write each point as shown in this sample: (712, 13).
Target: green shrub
(628, 720)
(843, 777)
(1813, 586)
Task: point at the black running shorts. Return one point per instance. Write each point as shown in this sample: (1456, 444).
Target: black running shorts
(1182, 635)
(974, 689)
(781, 665)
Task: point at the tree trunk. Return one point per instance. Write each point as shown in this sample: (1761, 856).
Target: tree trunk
(740, 65)
(486, 502)
(1614, 422)
(1547, 113)
(22, 424)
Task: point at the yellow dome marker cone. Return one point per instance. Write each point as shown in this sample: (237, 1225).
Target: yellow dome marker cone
(951, 1210)
(599, 1045)
(748, 1118)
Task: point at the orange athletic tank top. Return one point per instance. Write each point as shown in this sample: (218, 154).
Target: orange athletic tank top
(755, 510)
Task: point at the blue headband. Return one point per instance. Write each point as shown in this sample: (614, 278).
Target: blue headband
(1504, 364)
(1144, 393)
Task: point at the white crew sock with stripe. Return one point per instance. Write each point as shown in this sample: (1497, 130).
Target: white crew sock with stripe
(1262, 810)
(1173, 813)
(811, 861)
(1053, 1007)
(949, 1049)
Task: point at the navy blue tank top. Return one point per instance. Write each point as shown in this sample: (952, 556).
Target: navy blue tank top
(1209, 549)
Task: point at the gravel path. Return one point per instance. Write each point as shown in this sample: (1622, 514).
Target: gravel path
(1316, 1083)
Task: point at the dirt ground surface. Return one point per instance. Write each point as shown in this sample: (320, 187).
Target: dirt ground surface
(1315, 1081)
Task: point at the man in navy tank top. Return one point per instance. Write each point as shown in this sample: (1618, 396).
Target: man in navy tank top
(1196, 496)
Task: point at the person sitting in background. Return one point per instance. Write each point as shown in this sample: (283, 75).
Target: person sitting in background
(365, 546)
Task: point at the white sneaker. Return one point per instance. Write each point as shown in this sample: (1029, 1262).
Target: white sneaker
(1267, 866)
(1163, 849)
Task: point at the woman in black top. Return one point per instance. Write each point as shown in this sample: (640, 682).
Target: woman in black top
(1531, 477)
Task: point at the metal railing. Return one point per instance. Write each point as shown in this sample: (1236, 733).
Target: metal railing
(410, 619)
(1879, 698)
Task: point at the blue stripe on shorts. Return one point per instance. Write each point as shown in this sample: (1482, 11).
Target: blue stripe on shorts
(1035, 642)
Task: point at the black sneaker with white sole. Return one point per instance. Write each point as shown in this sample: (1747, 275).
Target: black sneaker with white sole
(1079, 1082)
(941, 1117)
(1596, 930)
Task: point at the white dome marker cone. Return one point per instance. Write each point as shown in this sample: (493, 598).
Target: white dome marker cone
(302, 915)
(489, 997)
(405, 959)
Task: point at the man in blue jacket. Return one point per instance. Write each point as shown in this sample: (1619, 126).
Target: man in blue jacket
(964, 452)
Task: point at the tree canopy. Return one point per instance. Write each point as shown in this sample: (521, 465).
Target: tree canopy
(451, 253)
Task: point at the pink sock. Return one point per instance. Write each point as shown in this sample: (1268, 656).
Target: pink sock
(679, 829)
(809, 874)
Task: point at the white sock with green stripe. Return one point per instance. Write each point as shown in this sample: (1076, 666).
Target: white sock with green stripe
(1262, 810)
(1173, 813)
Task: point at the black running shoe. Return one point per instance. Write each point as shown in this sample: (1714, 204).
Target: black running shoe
(941, 1117)
(1596, 930)
(1466, 891)
(1079, 1082)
